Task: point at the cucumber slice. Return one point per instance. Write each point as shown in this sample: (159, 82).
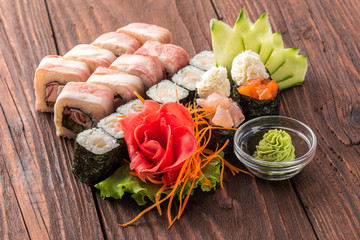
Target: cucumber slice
(220, 34)
(235, 45)
(278, 58)
(270, 44)
(292, 72)
(261, 29)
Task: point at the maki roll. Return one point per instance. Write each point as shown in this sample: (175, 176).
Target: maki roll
(96, 156)
(51, 76)
(122, 84)
(118, 43)
(144, 32)
(172, 57)
(167, 91)
(93, 56)
(203, 60)
(253, 88)
(111, 125)
(149, 69)
(133, 106)
(80, 106)
(187, 77)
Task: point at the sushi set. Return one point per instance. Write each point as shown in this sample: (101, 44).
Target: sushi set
(152, 122)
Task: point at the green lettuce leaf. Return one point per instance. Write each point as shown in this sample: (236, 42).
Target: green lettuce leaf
(121, 181)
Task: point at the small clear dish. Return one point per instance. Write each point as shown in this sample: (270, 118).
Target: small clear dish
(303, 139)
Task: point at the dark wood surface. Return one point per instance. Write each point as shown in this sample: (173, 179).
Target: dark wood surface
(41, 199)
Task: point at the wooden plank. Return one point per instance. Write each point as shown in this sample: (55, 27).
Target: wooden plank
(326, 32)
(12, 224)
(36, 161)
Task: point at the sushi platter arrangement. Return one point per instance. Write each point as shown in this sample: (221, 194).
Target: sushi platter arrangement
(151, 122)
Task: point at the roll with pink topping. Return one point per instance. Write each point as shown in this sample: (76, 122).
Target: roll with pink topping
(51, 76)
(80, 106)
(172, 57)
(118, 43)
(122, 84)
(143, 32)
(93, 56)
(149, 69)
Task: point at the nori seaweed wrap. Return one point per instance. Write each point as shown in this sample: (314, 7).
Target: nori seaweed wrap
(219, 137)
(96, 155)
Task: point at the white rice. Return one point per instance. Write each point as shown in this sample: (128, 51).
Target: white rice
(204, 60)
(165, 91)
(96, 141)
(111, 125)
(131, 107)
(188, 77)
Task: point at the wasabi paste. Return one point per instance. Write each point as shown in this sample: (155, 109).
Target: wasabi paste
(276, 146)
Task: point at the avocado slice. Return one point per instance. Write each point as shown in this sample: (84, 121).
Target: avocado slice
(220, 34)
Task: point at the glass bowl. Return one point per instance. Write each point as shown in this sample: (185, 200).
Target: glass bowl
(303, 139)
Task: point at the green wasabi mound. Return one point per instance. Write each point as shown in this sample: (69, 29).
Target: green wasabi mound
(276, 146)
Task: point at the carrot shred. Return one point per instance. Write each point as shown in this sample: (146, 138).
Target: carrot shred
(191, 169)
(132, 173)
(139, 97)
(154, 181)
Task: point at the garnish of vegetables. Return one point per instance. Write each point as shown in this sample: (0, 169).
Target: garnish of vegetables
(191, 169)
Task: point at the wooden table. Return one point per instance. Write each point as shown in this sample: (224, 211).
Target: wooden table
(41, 199)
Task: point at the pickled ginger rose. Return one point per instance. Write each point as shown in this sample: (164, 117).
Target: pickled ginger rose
(226, 111)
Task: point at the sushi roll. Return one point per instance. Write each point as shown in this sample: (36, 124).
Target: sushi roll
(51, 76)
(253, 88)
(122, 84)
(131, 107)
(144, 32)
(80, 106)
(118, 43)
(167, 91)
(172, 57)
(188, 77)
(96, 156)
(111, 125)
(203, 60)
(149, 69)
(93, 56)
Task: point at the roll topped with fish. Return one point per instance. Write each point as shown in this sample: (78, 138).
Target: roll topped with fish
(51, 76)
(80, 106)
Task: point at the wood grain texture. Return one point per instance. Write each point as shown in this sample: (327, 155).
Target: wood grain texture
(51, 203)
(41, 199)
(325, 31)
